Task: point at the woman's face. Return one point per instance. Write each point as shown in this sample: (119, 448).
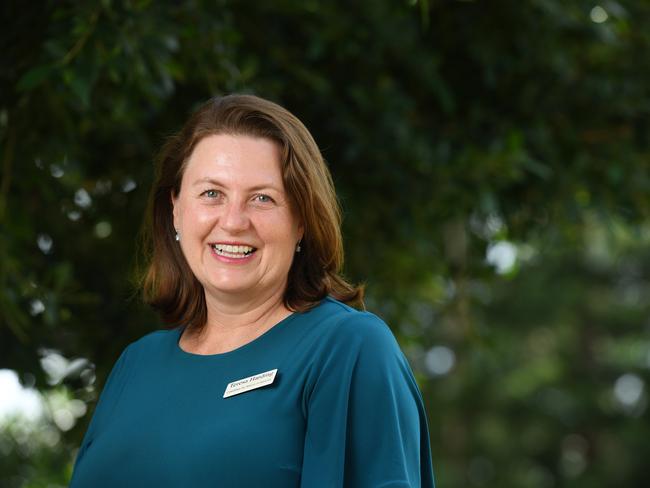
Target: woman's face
(237, 230)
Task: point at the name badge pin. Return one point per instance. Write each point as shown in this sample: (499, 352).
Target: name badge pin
(250, 383)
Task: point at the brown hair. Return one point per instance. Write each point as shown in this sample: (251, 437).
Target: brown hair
(169, 285)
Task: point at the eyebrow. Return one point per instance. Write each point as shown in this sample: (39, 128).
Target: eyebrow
(212, 181)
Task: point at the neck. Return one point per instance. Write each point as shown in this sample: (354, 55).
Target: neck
(233, 318)
(231, 314)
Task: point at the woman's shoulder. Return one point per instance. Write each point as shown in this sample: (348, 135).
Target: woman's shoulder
(154, 340)
(348, 325)
(351, 343)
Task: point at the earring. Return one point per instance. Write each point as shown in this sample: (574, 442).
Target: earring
(177, 236)
(298, 248)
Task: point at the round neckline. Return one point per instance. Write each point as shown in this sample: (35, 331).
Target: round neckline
(240, 349)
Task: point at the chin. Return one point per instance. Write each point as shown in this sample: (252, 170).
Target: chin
(228, 287)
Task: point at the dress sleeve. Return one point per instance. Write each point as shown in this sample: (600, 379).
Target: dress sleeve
(107, 401)
(366, 424)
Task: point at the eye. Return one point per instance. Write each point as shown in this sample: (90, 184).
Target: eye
(261, 198)
(211, 193)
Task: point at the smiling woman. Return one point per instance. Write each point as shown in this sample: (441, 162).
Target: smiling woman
(239, 232)
(266, 376)
(284, 164)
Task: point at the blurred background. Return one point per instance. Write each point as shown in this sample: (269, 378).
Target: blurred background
(492, 159)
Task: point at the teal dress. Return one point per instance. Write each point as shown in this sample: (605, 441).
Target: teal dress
(342, 410)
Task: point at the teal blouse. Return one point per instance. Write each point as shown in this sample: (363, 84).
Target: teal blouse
(343, 410)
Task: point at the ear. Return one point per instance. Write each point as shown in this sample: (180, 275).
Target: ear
(301, 230)
(175, 209)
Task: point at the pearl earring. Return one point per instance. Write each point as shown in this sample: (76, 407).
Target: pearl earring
(298, 248)
(177, 236)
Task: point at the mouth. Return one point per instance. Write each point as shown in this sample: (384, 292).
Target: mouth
(233, 251)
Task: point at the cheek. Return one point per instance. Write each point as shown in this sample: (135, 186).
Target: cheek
(197, 217)
(283, 235)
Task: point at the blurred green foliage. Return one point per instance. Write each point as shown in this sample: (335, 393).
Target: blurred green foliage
(455, 130)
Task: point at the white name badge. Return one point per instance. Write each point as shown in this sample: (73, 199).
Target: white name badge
(250, 383)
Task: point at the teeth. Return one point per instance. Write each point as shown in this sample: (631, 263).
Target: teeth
(232, 251)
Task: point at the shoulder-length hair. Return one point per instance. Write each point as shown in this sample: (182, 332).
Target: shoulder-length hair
(168, 283)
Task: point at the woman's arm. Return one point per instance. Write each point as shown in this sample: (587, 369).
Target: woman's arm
(366, 424)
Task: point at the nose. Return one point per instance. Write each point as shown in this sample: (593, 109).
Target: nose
(234, 218)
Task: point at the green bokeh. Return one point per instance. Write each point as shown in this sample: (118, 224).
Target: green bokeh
(449, 126)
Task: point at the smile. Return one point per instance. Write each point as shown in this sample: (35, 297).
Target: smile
(233, 252)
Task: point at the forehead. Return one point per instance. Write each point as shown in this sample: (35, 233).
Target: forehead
(235, 158)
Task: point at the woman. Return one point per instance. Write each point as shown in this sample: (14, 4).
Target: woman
(271, 379)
